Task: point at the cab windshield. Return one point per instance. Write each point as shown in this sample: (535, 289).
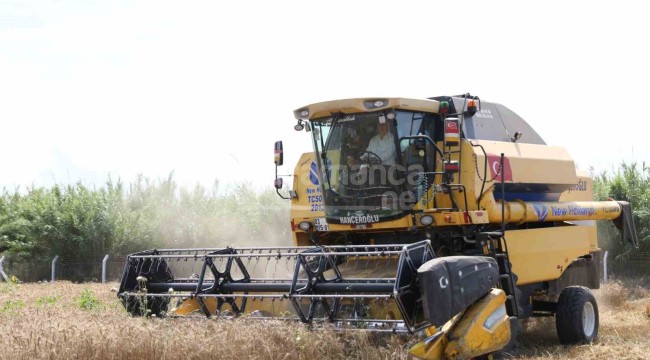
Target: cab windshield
(370, 169)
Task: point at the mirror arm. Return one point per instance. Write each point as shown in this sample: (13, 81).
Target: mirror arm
(276, 189)
(280, 195)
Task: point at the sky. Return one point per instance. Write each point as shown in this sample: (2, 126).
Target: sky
(92, 89)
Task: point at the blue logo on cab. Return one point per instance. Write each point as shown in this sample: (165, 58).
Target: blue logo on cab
(313, 173)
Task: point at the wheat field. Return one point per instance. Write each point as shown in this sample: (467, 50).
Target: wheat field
(63, 320)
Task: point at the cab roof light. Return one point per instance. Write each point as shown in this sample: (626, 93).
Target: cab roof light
(444, 109)
(471, 104)
(375, 103)
(471, 107)
(301, 114)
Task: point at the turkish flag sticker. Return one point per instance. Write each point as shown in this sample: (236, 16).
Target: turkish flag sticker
(494, 163)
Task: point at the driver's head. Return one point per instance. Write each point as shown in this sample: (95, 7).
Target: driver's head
(382, 126)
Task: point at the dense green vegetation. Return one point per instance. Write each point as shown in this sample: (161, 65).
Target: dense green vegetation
(78, 222)
(630, 182)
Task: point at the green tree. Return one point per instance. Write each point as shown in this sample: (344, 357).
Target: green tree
(78, 222)
(630, 182)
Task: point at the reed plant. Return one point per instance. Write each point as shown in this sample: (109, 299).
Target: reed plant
(78, 222)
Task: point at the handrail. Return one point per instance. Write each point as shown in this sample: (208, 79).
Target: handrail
(104, 269)
(2, 273)
(56, 258)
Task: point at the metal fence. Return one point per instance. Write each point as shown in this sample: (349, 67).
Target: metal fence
(110, 268)
(633, 264)
(103, 270)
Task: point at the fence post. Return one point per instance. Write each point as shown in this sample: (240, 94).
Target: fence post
(56, 258)
(104, 269)
(2, 273)
(605, 267)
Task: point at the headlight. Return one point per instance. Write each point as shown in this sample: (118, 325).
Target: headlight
(301, 113)
(426, 220)
(304, 226)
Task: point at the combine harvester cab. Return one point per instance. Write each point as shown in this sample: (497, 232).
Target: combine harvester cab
(447, 217)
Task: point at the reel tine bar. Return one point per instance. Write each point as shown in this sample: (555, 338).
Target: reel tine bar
(317, 280)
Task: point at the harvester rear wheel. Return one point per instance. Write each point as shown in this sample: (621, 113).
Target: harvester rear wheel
(576, 319)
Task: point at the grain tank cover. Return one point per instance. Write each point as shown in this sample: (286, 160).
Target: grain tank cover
(492, 122)
(497, 122)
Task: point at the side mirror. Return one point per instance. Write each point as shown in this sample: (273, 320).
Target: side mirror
(278, 154)
(278, 162)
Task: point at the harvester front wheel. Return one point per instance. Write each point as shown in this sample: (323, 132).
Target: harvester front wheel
(576, 319)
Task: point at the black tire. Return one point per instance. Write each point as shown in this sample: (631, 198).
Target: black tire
(576, 318)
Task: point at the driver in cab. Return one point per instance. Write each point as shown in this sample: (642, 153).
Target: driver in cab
(381, 145)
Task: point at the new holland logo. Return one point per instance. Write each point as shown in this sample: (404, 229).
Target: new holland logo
(541, 210)
(313, 173)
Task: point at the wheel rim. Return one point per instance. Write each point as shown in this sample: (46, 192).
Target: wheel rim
(588, 319)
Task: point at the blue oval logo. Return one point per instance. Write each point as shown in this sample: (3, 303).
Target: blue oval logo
(313, 173)
(541, 210)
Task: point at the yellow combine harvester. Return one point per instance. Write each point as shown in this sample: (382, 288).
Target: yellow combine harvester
(447, 217)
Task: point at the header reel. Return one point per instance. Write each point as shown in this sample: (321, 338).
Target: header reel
(338, 284)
